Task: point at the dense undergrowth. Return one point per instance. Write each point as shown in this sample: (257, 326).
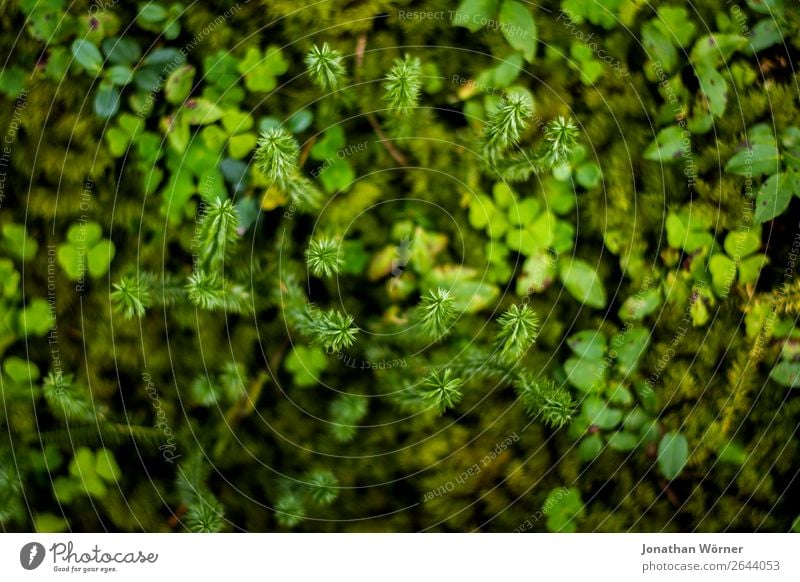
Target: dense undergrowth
(397, 266)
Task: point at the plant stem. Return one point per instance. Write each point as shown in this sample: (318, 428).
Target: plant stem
(361, 46)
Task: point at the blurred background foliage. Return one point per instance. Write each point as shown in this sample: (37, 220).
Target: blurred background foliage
(658, 256)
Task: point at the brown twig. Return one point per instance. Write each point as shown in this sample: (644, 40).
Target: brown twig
(306, 150)
(245, 405)
(397, 155)
(393, 151)
(361, 46)
(671, 495)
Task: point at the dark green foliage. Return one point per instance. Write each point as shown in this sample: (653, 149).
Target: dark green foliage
(437, 312)
(403, 84)
(441, 389)
(266, 266)
(543, 399)
(325, 66)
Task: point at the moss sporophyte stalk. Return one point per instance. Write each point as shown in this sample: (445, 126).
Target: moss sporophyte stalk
(495, 266)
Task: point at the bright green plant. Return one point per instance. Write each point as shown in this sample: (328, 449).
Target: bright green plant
(329, 250)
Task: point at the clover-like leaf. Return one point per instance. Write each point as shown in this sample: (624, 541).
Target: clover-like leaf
(600, 414)
(563, 507)
(673, 452)
(87, 55)
(261, 71)
(583, 283)
(775, 194)
(585, 374)
(589, 344)
(474, 14)
(723, 273)
(519, 28)
(670, 145)
(786, 373)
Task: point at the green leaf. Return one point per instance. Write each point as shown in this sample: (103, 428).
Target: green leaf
(769, 7)
(337, 177)
(49, 523)
(12, 81)
(119, 75)
(563, 236)
(630, 347)
(504, 197)
(688, 231)
(673, 452)
(261, 72)
(84, 233)
(473, 296)
(522, 241)
(676, 24)
(723, 274)
(35, 319)
(69, 257)
(658, 45)
(500, 76)
(639, 306)
(589, 344)
(619, 394)
(563, 506)
(65, 489)
(106, 466)
(668, 146)
(179, 134)
(87, 55)
(590, 447)
(179, 84)
(538, 273)
(623, 441)
(786, 374)
(765, 34)
(106, 101)
(306, 364)
(152, 13)
(201, 112)
(762, 134)
(241, 145)
(732, 453)
(20, 370)
(94, 486)
(121, 51)
(750, 268)
(599, 12)
(774, 196)
(16, 241)
(635, 419)
(100, 257)
(585, 374)
(82, 463)
(519, 28)
(589, 175)
(755, 160)
(715, 49)
(741, 243)
(235, 121)
(474, 14)
(714, 87)
(583, 283)
(523, 213)
(331, 142)
(300, 121)
(599, 414)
